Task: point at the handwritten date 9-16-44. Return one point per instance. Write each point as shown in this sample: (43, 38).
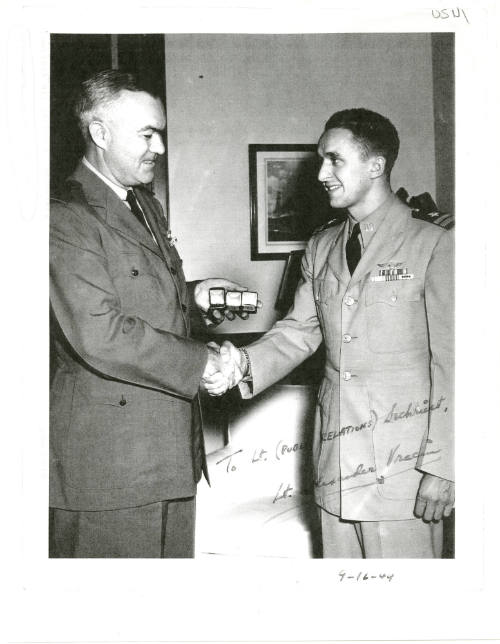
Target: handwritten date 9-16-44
(364, 576)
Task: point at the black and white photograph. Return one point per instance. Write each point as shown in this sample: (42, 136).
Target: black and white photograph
(254, 254)
(351, 456)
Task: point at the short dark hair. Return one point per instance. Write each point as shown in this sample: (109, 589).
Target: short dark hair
(100, 90)
(374, 132)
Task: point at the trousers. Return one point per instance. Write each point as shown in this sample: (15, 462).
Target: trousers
(408, 539)
(164, 529)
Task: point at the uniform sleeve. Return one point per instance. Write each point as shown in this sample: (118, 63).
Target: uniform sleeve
(440, 309)
(199, 325)
(90, 315)
(291, 340)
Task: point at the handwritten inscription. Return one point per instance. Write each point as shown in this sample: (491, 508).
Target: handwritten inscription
(444, 14)
(413, 409)
(360, 470)
(364, 576)
(230, 465)
(397, 456)
(283, 449)
(283, 492)
(260, 455)
(364, 474)
(351, 429)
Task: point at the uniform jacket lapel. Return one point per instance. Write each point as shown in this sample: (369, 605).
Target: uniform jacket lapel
(110, 207)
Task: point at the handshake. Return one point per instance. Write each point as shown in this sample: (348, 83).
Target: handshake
(226, 368)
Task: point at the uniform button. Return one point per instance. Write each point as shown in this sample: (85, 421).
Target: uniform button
(380, 480)
(349, 300)
(184, 308)
(347, 375)
(394, 298)
(135, 272)
(347, 337)
(173, 270)
(123, 401)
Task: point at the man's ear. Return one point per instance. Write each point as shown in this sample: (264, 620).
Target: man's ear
(377, 167)
(99, 134)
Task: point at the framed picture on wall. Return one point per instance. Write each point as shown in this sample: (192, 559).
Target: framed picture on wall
(286, 200)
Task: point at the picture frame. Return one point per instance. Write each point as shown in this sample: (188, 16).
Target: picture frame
(289, 281)
(287, 202)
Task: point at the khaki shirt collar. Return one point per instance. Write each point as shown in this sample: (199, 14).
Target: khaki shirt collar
(370, 224)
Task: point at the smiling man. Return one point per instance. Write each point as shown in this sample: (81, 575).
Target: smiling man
(377, 288)
(126, 444)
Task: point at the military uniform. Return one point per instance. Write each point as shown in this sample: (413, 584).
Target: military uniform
(384, 408)
(125, 429)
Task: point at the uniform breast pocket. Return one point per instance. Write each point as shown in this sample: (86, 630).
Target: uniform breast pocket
(395, 316)
(139, 287)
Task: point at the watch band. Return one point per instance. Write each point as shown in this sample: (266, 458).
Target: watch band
(247, 376)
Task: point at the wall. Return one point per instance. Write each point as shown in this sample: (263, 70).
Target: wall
(443, 68)
(226, 91)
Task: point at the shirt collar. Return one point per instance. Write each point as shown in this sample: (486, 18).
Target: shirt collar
(368, 227)
(118, 190)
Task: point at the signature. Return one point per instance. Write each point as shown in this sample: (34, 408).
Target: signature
(360, 470)
(394, 456)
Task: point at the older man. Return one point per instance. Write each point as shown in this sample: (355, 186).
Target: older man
(126, 446)
(377, 288)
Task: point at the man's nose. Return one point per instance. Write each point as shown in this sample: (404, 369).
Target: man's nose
(324, 171)
(156, 144)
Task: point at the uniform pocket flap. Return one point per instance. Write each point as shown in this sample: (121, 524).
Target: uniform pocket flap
(393, 293)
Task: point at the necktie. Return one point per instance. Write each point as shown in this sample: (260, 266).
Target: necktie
(131, 199)
(353, 249)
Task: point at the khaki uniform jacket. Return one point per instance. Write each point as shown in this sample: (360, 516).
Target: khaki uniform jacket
(125, 423)
(384, 409)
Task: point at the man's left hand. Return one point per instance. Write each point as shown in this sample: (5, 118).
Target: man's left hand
(435, 498)
(201, 297)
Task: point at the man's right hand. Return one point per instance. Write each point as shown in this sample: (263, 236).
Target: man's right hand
(215, 381)
(435, 498)
(224, 370)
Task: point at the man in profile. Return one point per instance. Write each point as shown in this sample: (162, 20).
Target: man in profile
(377, 288)
(126, 445)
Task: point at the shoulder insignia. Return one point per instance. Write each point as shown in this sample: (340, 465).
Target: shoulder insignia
(329, 224)
(445, 220)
